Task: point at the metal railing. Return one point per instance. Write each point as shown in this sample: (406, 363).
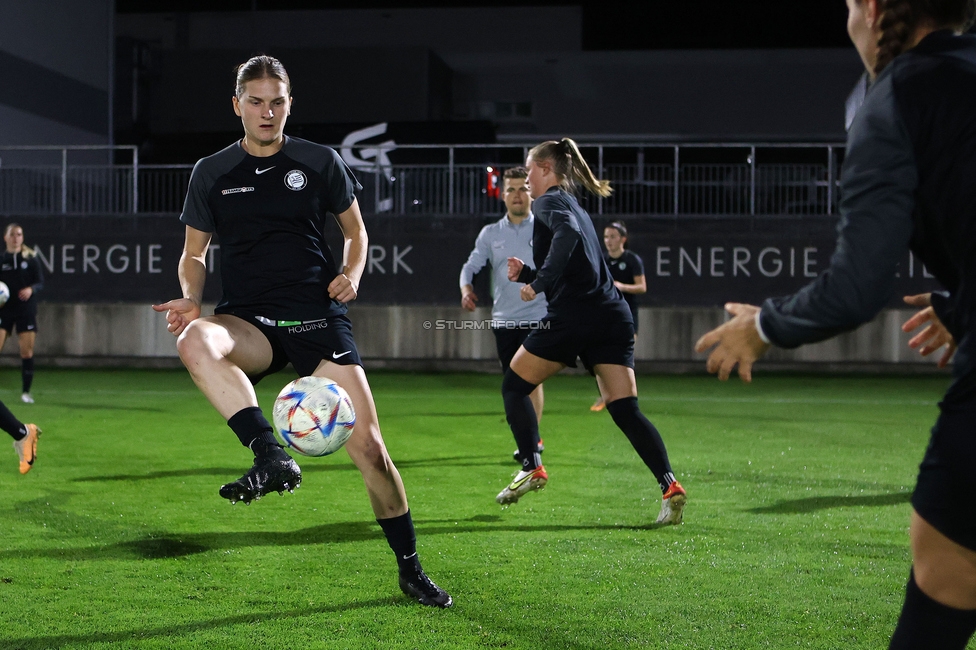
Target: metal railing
(648, 179)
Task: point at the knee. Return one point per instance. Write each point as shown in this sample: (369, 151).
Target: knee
(513, 385)
(623, 411)
(367, 450)
(192, 345)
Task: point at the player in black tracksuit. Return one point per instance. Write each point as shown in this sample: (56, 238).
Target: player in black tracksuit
(269, 199)
(907, 184)
(587, 318)
(21, 271)
(627, 271)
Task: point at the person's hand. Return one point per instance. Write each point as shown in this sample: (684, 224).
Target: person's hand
(469, 301)
(736, 342)
(25, 294)
(342, 289)
(179, 313)
(618, 284)
(514, 268)
(934, 336)
(527, 293)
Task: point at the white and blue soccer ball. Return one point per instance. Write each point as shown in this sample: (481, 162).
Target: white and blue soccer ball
(4, 293)
(314, 416)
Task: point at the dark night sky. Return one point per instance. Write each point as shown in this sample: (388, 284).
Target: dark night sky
(617, 24)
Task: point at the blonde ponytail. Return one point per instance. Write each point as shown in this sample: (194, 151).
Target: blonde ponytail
(570, 166)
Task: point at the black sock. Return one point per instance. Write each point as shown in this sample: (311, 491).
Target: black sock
(522, 418)
(925, 623)
(254, 430)
(10, 424)
(644, 437)
(403, 540)
(27, 373)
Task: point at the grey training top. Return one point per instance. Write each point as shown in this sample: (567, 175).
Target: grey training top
(495, 244)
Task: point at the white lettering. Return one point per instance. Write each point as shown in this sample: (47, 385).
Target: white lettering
(716, 262)
(211, 253)
(138, 258)
(153, 258)
(67, 256)
(682, 256)
(740, 257)
(46, 260)
(777, 262)
(398, 259)
(374, 256)
(89, 254)
(124, 258)
(808, 262)
(663, 261)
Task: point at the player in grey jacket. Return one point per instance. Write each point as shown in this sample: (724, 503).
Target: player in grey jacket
(907, 184)
(510, 236)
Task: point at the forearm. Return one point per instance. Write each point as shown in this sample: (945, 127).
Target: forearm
(192, 273)
(354, 255)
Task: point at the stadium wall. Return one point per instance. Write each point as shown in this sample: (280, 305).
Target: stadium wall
(439, 338)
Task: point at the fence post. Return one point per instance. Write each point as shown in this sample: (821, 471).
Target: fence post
(675, 179)
(830, 179)
(450, 180)
(64, 181)
(135, 180)
(752, 181)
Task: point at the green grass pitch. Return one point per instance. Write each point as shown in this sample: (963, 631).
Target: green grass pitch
(795, 535)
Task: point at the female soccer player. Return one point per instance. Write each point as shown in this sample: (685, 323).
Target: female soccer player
(587, 318)
(268, 197)
(627, 270)
(21, 271)
(907, 183)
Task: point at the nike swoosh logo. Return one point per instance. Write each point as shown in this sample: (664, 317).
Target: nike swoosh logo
(336, 355)
(517, 484)
(261, 171)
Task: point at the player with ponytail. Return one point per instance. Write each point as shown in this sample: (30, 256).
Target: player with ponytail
(907, 184)
(587, 318)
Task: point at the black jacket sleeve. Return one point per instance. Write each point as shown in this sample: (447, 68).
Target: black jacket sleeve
(37, 275)
(565, 237)
(877, 200)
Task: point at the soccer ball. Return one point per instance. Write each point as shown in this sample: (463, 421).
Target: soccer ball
(314, 416)
(4, 293)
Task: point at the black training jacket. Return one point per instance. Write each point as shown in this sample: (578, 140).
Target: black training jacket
(908, 182)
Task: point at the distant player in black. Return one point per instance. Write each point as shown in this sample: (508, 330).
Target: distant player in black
(627, 270)
(907, 184)
(21, 271)
(269, 199)
(587, 318)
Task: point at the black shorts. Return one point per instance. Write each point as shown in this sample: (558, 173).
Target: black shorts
(305, 344)
(24, 317)
(508, 341)
(596, 338)
(945, 494)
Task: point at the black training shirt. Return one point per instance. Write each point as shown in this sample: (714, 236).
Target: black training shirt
(270, 216)
(569, 258)
(625, 269)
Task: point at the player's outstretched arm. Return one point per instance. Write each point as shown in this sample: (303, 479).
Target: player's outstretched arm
(735, 342)
(934, 336)
(193, 274)
(345, 286)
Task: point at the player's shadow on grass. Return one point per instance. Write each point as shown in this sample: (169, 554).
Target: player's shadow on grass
(812, 504)
(179, 632)
(168, 545)
(310, 467)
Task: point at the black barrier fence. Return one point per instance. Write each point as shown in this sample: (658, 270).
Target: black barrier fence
(689, 261)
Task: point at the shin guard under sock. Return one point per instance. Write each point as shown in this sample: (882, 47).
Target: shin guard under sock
(522, 418)
(253, 430)
(402, 538)
(925, 623)
(644, 437)
(10, 424)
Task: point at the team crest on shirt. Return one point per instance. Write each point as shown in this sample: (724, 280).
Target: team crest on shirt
(622, 266)
(23, 265)
(295, 180)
